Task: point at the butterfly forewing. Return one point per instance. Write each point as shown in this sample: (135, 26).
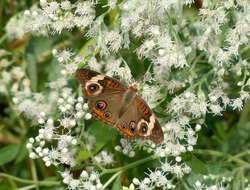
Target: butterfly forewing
(103, 93)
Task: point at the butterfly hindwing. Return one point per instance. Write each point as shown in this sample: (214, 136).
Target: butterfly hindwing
(140, 122)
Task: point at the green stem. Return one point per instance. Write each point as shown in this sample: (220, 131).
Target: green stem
(172, 30)
(82, 166)
(79, 139)
(21, 122)
(221, 154)
(111, 179)
(34, 174)
(41, 57)
(93, 158)
(3, 38)
(242, 154)
(185, 185)
(27, 187)
(204, 79)
(132, 165)
(27, 181)
(11, 181)
(95, 162)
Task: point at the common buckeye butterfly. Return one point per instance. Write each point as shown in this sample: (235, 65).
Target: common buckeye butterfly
(119, 106)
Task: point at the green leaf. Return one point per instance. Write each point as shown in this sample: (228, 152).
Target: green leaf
(197, 165)
(32, 70)
(9, 153)
(31, 63)
(5, 186)
(23, 152)
(238, 182)
(117, 185)
(103, 135)
(220, 130)
(85, 50)
(52, 70)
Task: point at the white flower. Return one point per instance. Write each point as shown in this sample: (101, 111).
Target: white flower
(71, 68)
(88, 116)
(29, 145)
(131, 187)
(32, 155)
(237, 104)
(66, 5)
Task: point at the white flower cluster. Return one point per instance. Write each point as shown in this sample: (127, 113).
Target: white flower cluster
(15, 83)
(13, 78)
(63, 136)
(155, 179)
(63, 153)
(114, 67)
(75, 108)
(105, 158)
(126, 148)
(52, 16)
(200, 186)
(69, 60)
(86, 181)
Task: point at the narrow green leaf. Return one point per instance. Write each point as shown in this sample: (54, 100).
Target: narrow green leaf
(23, 152)
(30, 51)
(197, 165)
(84, 50)
(8, 153)
(117, 185)
(32, 70)
(238, 182)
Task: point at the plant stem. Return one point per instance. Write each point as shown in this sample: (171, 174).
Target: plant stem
(3, 38)
(185, 185)
(95, 162)
(21, 122)
(172, 30)
(27, 187)
(242, 154)
(33, 172)
(132, 165)
(221, 154)
(204, 78)
(40, 58)
(111, 179)
(27, 181)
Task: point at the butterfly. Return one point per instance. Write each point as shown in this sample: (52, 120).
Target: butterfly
(117, 105)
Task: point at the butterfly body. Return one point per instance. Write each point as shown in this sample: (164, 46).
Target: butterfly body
(119, 106)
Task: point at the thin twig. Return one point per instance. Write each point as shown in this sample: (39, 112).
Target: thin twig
(27, 181)
(221, 154)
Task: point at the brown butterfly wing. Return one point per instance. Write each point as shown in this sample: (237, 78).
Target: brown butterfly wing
(105, 98)
(139, 121)
(104, 94)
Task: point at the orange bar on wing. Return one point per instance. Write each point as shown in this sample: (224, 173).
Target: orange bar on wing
(146, 111)
(102, 116)
(141, 106)
(124, 130)
(116, 85)
(109, 83)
